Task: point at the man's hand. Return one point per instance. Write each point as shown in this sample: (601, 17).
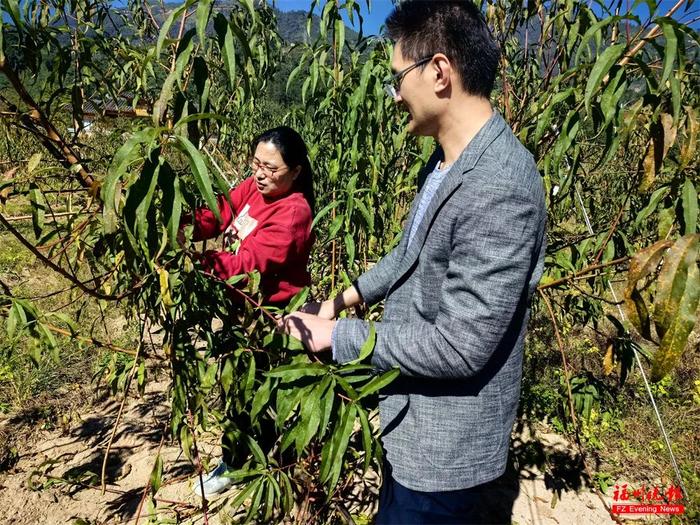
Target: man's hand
(311, 330)
(324, 310)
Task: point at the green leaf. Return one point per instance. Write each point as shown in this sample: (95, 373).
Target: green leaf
(298, 300)
(324, 211)
(594, 31)
(203, 10)
(258, 453)
(228, 53)
(350, 248)
(379, 382)
(367, 346)
(311, 415)
(138, 201)
(602, 66)
(366, 437)
(689, 198)
(200, 173)
(670, 49)
(339, 445)
(339, 26)
(289, 373)
(125, 156)
(654, 201)
(672, 283)
(249, 379)
(326, 404)
(157, 474)
(246, 492)
(36, 198)
(171, 202)
(168, 23)
(262, 396)
(226, 376)
(544, 117)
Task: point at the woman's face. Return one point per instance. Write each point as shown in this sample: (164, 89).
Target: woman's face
(273, 177)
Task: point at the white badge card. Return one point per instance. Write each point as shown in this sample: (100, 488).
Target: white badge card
(244, 223)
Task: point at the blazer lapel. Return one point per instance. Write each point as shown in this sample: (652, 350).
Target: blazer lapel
(454, 178)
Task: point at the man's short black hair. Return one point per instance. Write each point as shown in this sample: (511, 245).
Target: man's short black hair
(455, 28)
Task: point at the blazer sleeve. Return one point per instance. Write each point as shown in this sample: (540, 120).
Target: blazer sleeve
(270, 248)
(374, 283)
(496, 244)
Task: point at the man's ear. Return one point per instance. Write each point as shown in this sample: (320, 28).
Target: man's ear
(295, 172)
(443, 72)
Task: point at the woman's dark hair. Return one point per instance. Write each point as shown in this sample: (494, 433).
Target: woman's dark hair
(294, 153)
(455, 28)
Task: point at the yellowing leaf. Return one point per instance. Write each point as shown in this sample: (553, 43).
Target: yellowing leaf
(690, 145)
(675, 280)
(608, 362)
(165, 288)
(645, 261)
(676, 337)
(663, 136)
(33, 162)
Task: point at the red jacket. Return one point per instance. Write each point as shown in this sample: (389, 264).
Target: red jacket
(275, 237)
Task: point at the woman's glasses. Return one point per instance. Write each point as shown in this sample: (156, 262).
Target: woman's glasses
(269, 171)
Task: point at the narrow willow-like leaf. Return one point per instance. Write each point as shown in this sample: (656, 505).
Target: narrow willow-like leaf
(340, 444)
(691, 143)
(138, 201)
(689, 199)
(310, 415)
(654, 201)
(600, 70)
(366, 437)
(261, 398)
(125, 156)
(245, 493)
(157, 475)
(379, 382)
(203, 9)
(670, 49)
(201, 174)
(288, 373)
(368, 345)
(36, 198)
(171, 202)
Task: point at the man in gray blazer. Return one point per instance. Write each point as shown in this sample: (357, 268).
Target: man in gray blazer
(458, 285)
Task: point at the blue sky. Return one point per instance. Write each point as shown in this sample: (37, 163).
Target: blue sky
(381, 8)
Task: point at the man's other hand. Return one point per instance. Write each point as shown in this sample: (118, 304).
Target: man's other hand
(312, 330)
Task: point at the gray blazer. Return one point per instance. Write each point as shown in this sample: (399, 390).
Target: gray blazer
(456, 311)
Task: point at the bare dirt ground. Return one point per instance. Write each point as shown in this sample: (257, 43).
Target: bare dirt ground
(31, 493)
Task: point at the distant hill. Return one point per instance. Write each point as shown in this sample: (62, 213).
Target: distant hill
(291, 25)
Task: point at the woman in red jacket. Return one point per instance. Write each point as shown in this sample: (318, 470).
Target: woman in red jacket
(268, 226)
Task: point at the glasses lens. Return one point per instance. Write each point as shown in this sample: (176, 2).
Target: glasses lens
(390, 90)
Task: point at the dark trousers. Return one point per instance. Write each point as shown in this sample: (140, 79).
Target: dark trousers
(399, 505)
